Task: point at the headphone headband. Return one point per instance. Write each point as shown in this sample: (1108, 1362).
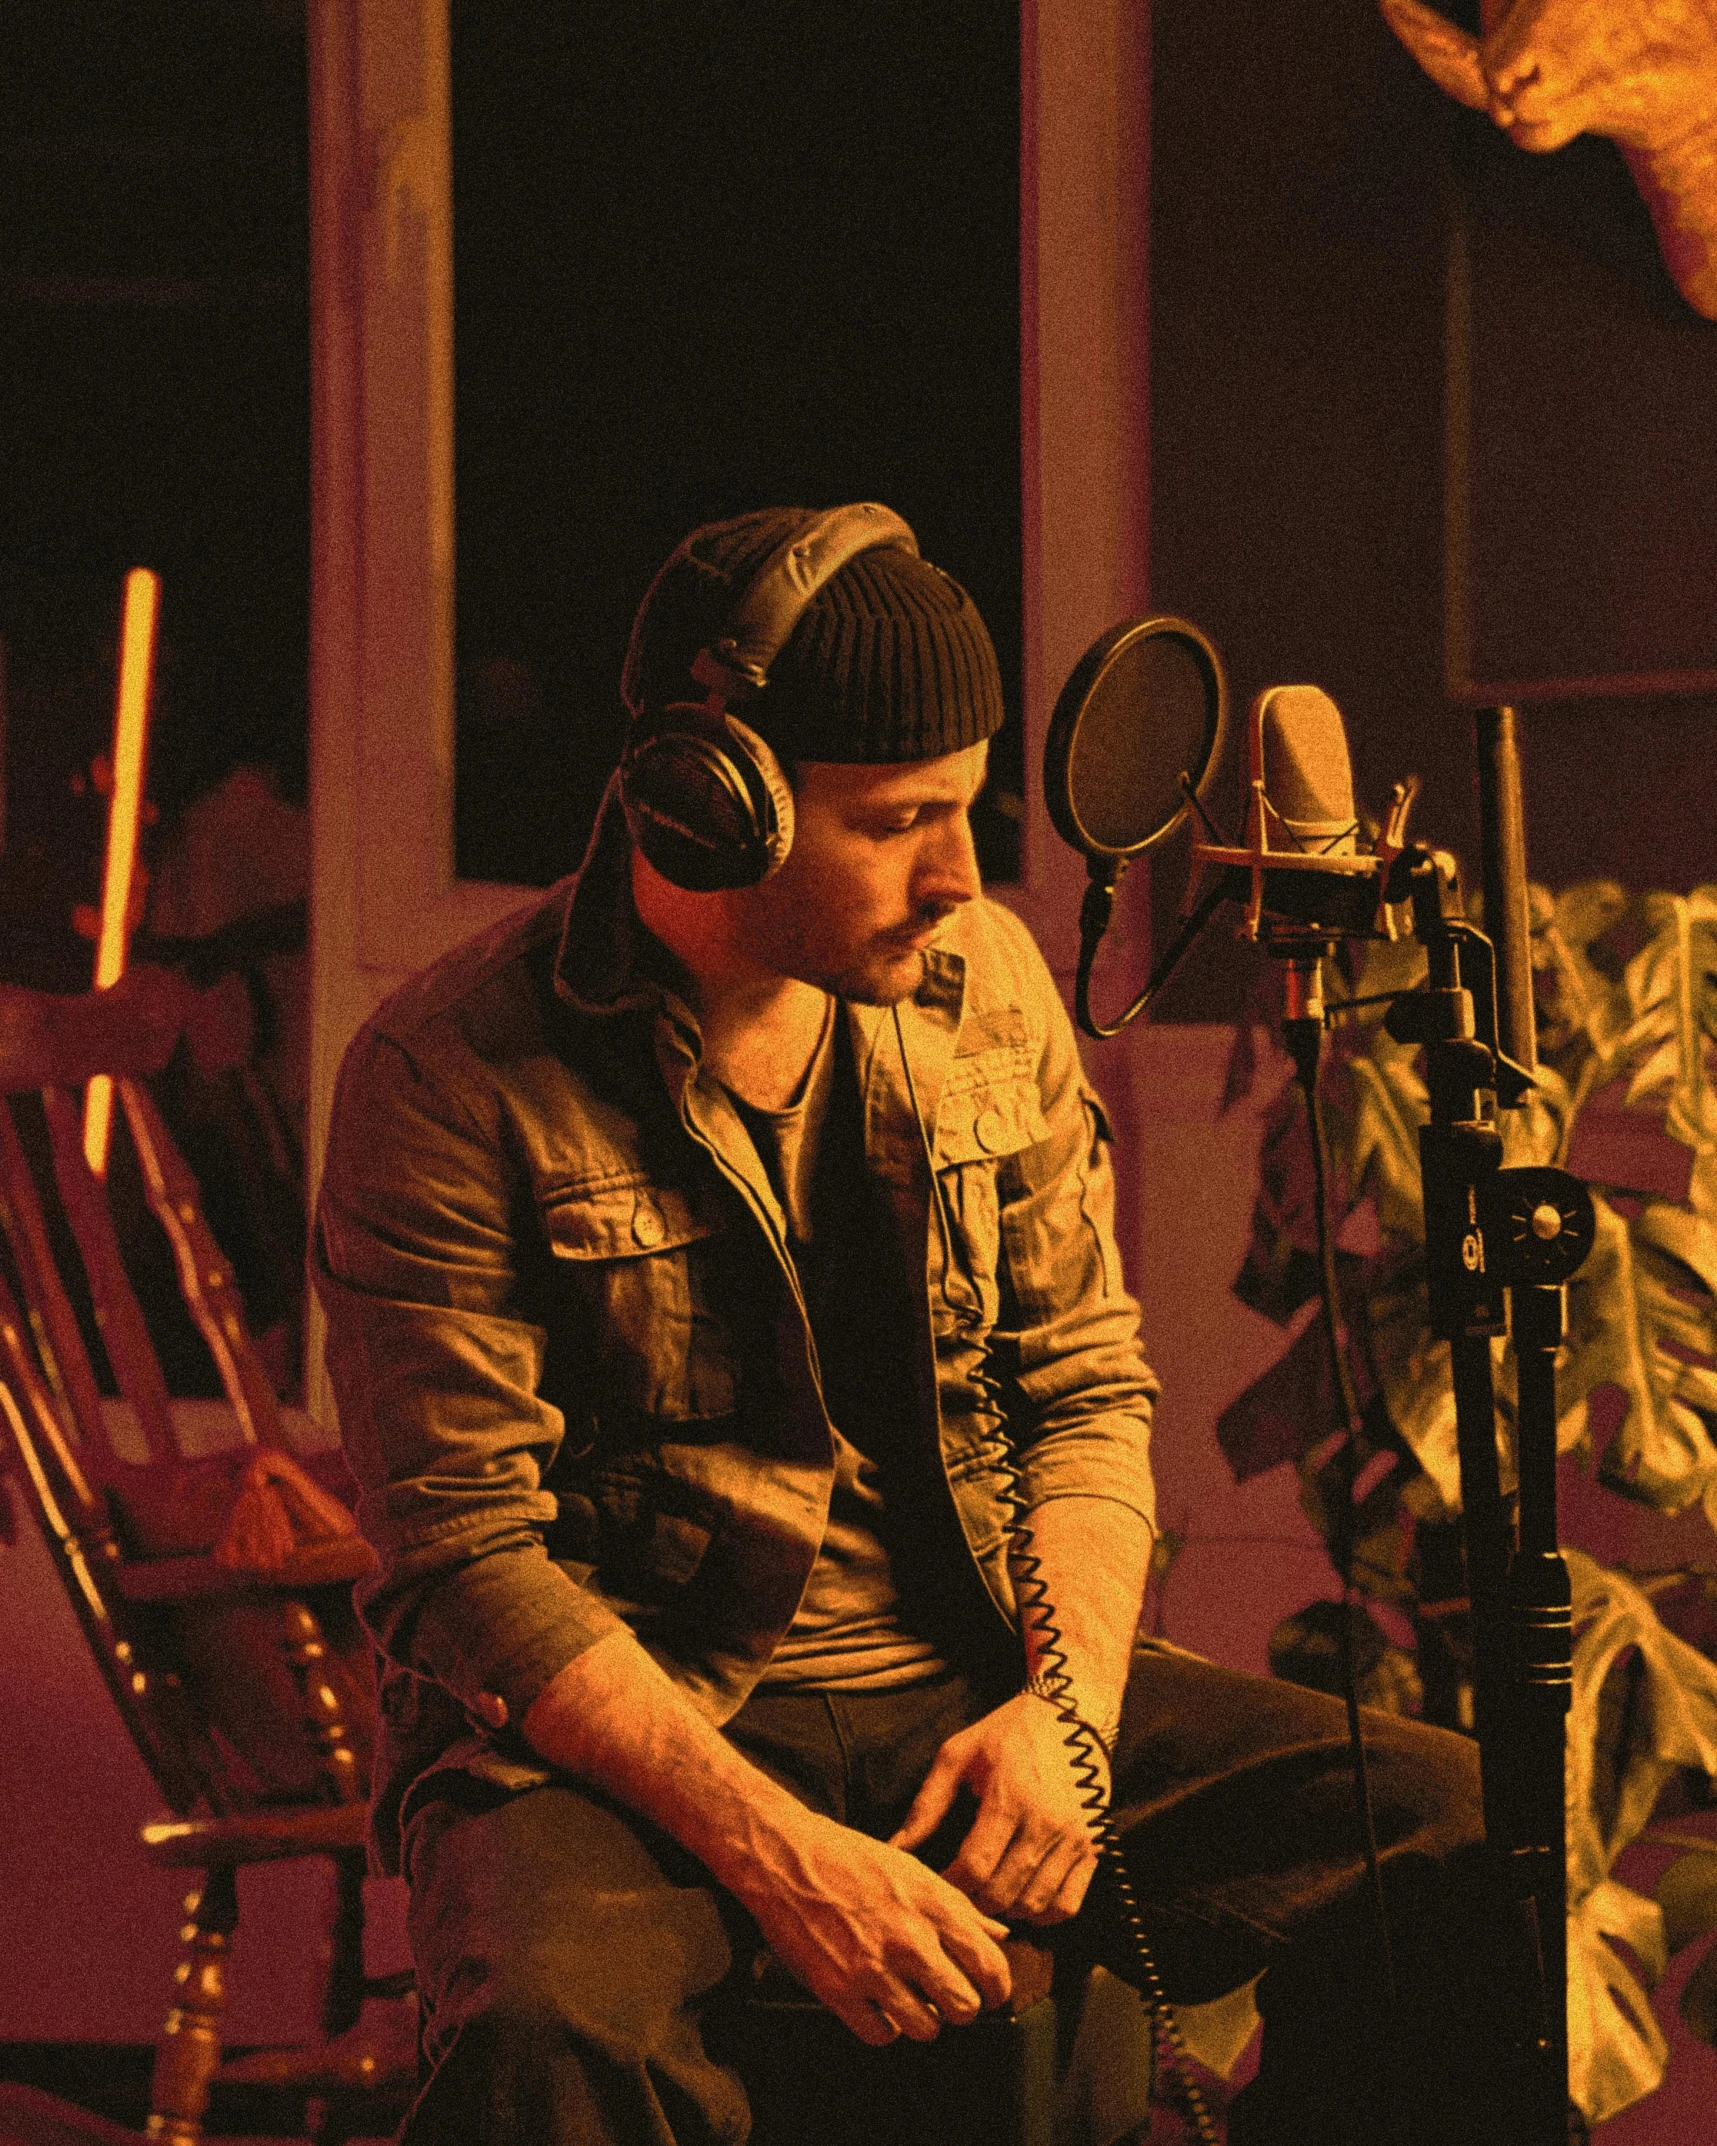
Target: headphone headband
(703, 794)
(781, 590)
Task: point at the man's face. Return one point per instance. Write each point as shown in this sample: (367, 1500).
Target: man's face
(880, 857)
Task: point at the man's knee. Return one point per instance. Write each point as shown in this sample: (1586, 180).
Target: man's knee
(1424, 1784)
(548, 1917)
(572, 2018)
(521, 2006)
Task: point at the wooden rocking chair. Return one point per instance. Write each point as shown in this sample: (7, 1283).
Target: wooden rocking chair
(214, 1587)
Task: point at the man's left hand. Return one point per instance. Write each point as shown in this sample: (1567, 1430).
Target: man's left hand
(1030, 1853)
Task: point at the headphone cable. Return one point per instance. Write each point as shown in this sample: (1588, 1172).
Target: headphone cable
(1087, 1757)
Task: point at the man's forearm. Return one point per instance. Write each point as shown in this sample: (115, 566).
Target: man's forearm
(614, 1718)
(1095, 1556)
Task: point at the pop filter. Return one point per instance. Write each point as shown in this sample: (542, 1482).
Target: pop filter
(1144, 706)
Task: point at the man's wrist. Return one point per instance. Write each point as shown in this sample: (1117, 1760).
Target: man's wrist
(1054, 1690)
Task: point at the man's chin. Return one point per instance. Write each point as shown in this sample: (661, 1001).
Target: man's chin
(883, 980)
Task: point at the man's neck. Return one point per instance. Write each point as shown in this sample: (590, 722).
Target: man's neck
(761, 1047)
(760, 1029)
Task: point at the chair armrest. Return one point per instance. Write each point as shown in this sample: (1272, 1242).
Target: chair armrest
(197, 1579)
(265, 1836)
(379, 2056)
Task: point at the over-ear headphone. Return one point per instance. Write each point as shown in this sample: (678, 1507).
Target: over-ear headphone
(704, 796)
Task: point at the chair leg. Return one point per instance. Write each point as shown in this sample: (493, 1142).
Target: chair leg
(189, 2051)
(344, 1991)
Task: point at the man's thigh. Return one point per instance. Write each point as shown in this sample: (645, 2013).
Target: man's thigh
(555, 1891)
(561, 1889)
(1235, 1797)
(565, 1947)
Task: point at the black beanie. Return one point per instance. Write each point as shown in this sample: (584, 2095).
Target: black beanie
(890, 661)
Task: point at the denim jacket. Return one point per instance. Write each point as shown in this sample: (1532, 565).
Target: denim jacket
(575, 1377)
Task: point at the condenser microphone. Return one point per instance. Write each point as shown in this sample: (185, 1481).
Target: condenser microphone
(1329, 889)
(1306, 770)
(1299, 870)
(1305, 786)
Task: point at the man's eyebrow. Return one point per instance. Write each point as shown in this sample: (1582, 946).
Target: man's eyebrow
(920, 787)
(912, 800)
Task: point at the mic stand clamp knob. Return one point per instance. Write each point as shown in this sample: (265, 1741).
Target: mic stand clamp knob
(1432, 1016)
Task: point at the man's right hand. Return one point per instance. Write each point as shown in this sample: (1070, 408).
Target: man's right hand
(876, 1936)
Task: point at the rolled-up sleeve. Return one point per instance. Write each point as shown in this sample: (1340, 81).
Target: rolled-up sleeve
(1068, 1330)
(436, 1371)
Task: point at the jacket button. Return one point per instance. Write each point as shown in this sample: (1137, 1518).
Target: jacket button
(990, 1129)
(490, 1709)
(647, 1225)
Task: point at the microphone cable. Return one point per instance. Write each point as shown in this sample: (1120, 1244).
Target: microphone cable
(1304, 1036)
(1087, 1757)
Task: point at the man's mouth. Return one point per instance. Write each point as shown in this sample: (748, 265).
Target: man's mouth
(901, 944)
(914, 938)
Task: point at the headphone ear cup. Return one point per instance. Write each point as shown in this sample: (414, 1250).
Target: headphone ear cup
(706, 801)
(778, 835)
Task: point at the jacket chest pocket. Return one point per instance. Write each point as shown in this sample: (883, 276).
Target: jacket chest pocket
(641, 1257)
(987, 1114)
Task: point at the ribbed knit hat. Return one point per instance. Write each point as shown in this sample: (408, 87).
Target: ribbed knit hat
(890, 661)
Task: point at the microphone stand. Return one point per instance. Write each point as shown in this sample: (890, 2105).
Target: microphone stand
(1501, 1241)
(1499, 1246)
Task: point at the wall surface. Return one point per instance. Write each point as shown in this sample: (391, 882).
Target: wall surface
(1429, 427)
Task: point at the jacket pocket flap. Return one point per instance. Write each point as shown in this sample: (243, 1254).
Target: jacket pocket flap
(1003, 1028)
(978, 1124)
(623, 1222)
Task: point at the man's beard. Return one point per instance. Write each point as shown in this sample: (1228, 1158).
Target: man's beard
(879, 972)
(866, 984)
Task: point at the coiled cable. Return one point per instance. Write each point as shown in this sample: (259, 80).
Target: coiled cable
(1052, 1677)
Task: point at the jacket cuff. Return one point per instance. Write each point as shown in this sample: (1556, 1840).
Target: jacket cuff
(498, 1631)
(1094, 1469)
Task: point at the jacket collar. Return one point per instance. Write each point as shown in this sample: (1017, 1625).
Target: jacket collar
(607, 963)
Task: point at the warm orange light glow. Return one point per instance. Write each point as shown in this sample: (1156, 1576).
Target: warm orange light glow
(125, 810)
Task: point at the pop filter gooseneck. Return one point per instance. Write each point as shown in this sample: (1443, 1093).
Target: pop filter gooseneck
(1134, 736)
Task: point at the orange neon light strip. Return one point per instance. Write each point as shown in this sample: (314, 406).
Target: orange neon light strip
(125, 811)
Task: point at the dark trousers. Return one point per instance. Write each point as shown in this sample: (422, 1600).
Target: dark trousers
(566, 1951)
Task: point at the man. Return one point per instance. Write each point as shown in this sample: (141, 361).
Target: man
(707, 1272)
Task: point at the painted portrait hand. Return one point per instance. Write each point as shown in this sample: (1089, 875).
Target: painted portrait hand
(1029, 1854)
(1641, 72)
(887, 1945)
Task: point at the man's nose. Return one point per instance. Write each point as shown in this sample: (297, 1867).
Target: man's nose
(948, 866)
